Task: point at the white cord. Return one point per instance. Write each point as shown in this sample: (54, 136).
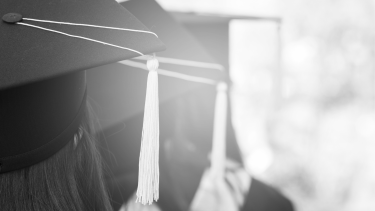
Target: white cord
(187, 63)
(89, 25)
(80, 37)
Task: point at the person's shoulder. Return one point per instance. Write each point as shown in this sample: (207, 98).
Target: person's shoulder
(264, 197)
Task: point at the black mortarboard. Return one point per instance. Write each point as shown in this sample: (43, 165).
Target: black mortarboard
(119, 126)
(42, 63)
(212, 30)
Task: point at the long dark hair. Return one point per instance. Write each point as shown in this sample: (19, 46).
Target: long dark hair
(69, 180)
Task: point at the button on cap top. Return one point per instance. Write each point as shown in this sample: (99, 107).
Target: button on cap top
(12, 17)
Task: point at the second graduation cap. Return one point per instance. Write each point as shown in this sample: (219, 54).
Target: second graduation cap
(260, 196)
(46, 48)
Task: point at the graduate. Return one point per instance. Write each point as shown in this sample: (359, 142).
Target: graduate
(49, 156)
(212, 32)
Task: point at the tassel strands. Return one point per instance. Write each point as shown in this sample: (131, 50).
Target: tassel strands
(219, 133)
(212, 185)
(148, 176)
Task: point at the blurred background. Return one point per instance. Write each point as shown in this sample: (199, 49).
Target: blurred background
(304, 96)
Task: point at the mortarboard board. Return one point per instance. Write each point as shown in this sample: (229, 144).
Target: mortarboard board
(119, 126)
(43, 63)
(212, 30)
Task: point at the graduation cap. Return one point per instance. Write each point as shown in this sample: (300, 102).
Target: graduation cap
(212, 32)
(46, 48)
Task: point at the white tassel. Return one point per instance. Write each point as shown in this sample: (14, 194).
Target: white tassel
(219, 134)
(148, 178)
(213, 179)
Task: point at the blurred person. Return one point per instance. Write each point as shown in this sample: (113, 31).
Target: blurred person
(258, 195)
